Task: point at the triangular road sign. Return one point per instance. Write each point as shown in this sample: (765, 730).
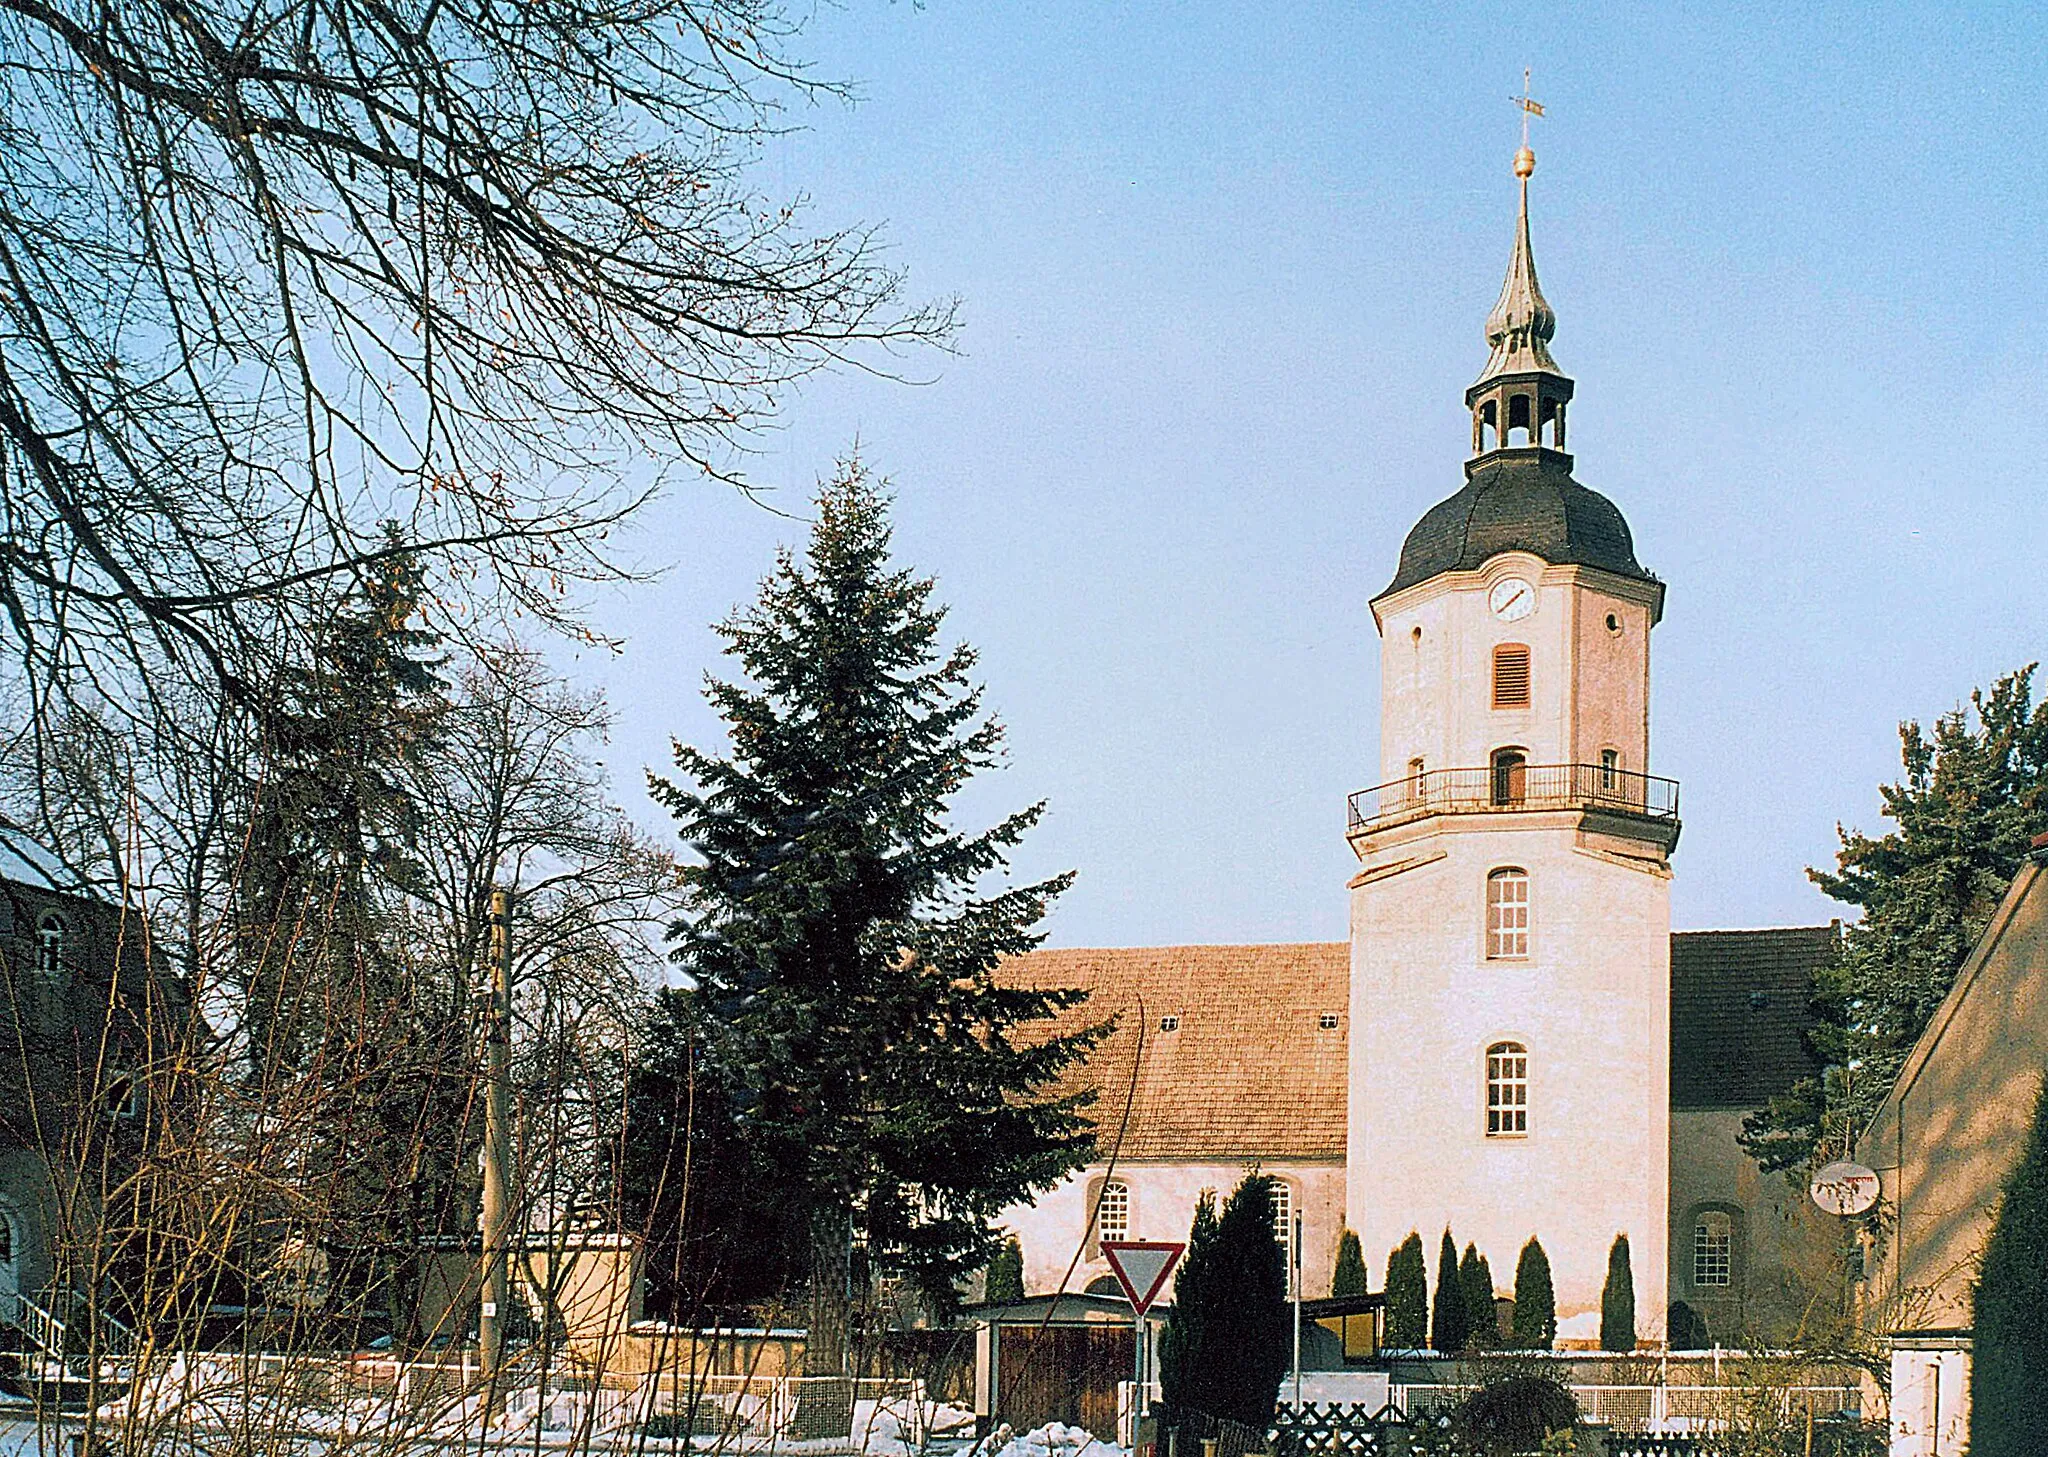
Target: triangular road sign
(1141, 1267)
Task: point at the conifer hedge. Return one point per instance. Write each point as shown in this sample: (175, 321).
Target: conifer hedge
(1448, 1327)
(1407, 1296)
(1349, 1278)
(1535, 1299)
(1618, 1300)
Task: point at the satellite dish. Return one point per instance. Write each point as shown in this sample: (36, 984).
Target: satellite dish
(1844, 1188)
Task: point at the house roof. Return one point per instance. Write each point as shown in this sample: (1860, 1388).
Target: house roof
(25, 862)
(1250, 1072)
(1740, 1004)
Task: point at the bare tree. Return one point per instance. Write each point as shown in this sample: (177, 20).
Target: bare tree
(275, 274)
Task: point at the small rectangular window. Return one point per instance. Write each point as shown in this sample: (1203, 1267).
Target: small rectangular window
(1328, 1021)
(1511, 676)
(1169, 1023)
(1610, 768)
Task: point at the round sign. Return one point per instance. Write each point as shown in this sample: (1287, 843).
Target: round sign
(1844, 1188)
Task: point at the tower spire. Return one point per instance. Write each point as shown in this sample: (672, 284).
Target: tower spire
(1519, 398)
(1519, 330)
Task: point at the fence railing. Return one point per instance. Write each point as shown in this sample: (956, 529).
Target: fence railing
(1645, 1409)
(1510, 786)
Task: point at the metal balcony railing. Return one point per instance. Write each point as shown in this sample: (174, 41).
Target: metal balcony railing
(1509, 786)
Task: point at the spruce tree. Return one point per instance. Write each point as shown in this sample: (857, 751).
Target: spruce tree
(1407, 1296)
(1482, 1316)
(1349, 1276)
(843, 936)
(2009, 1383)
(1618, 1300)
(1006, 1272)
(1229, 1334)
(1971, 799)
(1449, 1325)
(1535, 1300)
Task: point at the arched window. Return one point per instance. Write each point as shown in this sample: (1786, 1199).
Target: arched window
(1113, 1211)
(1507, 914)
(50, 946)
(1507, 1090)
(1511, 675)
(1713, 1249)
(1610, 770)
(1489, 427)
(1417, 778)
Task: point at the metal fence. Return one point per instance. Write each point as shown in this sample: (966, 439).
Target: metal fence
(1511, 786)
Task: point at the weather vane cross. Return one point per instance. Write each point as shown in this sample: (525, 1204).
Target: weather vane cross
(1528, 106)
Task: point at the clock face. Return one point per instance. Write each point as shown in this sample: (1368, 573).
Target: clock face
(1511, 599)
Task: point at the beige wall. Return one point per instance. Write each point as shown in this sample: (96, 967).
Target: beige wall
(1592, 1003)
(1588, 687)
(1163, 1199)
(1786, 1250)
(1956, 1122)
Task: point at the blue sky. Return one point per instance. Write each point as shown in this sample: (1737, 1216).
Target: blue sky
(1223, 271)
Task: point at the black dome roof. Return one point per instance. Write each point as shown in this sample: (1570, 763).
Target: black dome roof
(1519, 500)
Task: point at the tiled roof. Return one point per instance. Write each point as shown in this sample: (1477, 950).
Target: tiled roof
(1250, 1072)
(1739, 1002)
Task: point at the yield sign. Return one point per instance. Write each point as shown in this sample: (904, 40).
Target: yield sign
(1141, 1267)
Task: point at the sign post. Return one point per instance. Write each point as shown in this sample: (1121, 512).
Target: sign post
(1141, 1267)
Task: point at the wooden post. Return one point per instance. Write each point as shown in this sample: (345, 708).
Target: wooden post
(497, 1158)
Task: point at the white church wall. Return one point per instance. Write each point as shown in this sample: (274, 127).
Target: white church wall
(1591, 1003)
(1162, 1206)
(1588, 685)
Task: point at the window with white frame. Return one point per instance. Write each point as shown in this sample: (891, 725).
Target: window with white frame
(1113, 1211)
(1610, 770)
(1507, 914)
(50, 946)
(1283, 1214)
(1713, 1249)
(1507, 1090)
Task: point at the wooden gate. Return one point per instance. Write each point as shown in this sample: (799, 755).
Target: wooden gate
(1061, 1373)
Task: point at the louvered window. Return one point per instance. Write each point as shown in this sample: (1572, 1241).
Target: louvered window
(1511, 676)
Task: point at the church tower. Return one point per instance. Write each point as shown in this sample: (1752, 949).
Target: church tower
(1510, 919)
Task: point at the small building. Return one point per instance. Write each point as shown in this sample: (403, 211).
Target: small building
(1943, 1143)
(84, 1022)
(1056, 1359)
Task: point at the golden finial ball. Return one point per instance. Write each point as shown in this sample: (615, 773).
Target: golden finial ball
(1525, 163)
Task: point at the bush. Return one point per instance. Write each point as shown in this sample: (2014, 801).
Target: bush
(1535, 1300)
(1515, 1414)
(2009, 1385)
(1686, 1328)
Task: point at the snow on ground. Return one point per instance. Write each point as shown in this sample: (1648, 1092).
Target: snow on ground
(1054, 1439)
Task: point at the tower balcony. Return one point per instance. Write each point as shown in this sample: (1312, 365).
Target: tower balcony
(1511, 787)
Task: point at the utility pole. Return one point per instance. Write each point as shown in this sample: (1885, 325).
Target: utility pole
(497, 1157)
